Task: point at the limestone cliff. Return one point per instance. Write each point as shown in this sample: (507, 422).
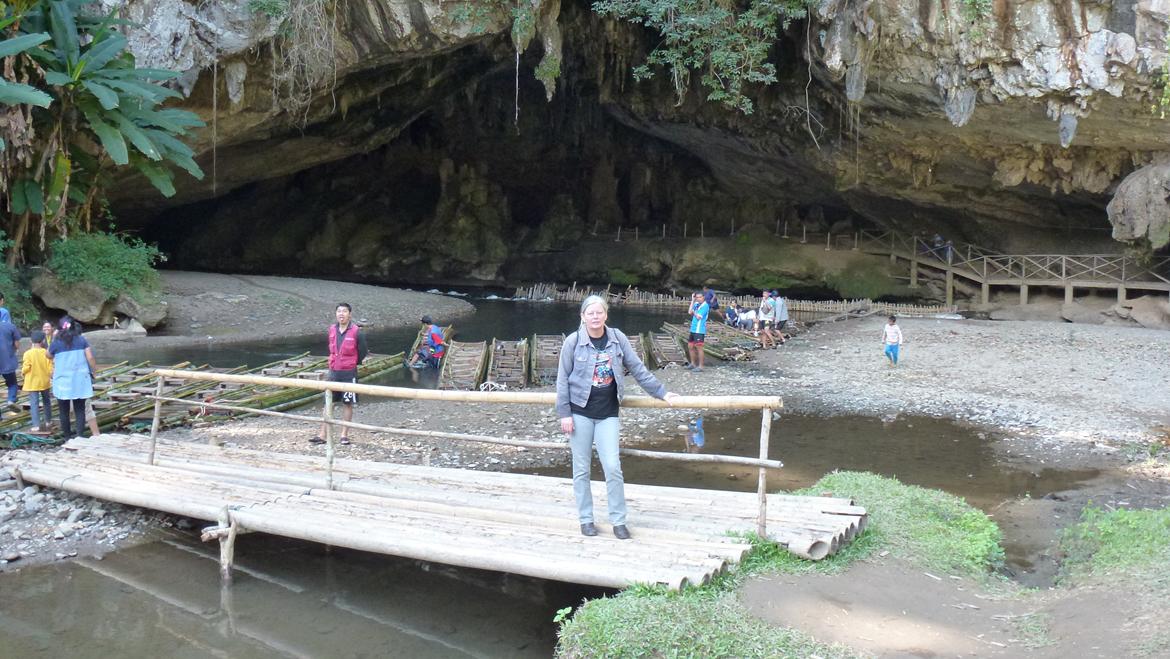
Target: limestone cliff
(420, 145)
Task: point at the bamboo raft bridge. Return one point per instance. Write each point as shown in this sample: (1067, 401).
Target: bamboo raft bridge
(123, 393)
(488, 520)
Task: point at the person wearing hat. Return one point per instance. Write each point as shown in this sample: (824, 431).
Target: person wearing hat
(433, 347)
(347, 349)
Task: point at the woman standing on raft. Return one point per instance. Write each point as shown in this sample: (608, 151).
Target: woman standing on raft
(589, 393)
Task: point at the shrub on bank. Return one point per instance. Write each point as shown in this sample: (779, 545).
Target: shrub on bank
(928, 528)
(112, 261)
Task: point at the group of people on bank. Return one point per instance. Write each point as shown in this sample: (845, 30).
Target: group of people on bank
(58, 363)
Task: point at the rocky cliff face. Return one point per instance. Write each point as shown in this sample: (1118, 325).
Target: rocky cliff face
(415, 144)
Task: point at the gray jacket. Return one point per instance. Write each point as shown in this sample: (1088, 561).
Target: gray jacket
(575, 375)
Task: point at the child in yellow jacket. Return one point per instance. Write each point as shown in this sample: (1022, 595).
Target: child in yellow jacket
(38, 377)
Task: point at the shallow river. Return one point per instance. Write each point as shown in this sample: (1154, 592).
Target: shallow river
(294, 599)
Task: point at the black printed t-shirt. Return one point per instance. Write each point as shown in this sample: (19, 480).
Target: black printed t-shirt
(603, 402)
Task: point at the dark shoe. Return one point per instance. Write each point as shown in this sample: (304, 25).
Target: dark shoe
(588, 529)
(688, 366)
(621, 532)
(317, 440)
(345, 441)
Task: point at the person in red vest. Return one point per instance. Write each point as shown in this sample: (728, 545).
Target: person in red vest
(347, 349)
(431, 352)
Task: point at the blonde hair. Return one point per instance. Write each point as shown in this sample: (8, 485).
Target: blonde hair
(592, 300)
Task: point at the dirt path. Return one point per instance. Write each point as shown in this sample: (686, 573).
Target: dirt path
(887, 608)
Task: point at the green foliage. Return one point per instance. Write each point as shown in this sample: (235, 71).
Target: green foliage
(102, 110)
(1122, 541)
(623, 277)
(976, 11)
(861, 278)
(114, 262)
(726, 44)
(271, 8)
(16, 293)
(1162, 103)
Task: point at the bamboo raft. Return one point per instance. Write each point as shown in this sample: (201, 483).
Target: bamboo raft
(508, 364)
(722, 342)
(486, 520)
(463, 365)
(665, 349)
(545, 358)
(122, 393)
(448, 331)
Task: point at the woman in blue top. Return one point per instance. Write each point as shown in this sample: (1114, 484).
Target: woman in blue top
(73, 369)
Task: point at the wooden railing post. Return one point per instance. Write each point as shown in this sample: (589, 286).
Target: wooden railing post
(328, 417)
(765, 440)
(154, 423)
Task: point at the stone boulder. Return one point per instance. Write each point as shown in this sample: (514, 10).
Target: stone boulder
(1078, 313)
(84, 301)
(90, 304)
(1150, 311)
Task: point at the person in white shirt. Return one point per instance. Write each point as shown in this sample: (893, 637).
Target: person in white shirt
(892, 340)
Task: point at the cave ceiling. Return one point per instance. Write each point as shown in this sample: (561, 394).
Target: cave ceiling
(426, 127)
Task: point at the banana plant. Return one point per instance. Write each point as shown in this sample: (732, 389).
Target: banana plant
(102, 111)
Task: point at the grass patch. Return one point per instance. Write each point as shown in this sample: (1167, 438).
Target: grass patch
(1033, 629)
(929, 528)
(704, 622)
(1127, 542)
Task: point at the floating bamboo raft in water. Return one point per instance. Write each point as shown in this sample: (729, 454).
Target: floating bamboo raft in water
(422, 335)
(508, 366)
(463, 365)
(487, 520)
(546, 357)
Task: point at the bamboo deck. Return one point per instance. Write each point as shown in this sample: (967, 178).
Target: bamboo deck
(463, 365)
(546, 357)
(488, 520)
(508, 367)
(665, 349)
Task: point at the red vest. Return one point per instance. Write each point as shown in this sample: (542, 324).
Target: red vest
(344, 358)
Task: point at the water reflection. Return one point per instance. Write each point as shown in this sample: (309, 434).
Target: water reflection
(288, 599)
(696, 436)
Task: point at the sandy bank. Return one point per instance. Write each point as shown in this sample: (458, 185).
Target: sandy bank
(216, 308)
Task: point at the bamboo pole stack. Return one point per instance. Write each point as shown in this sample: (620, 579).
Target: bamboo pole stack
(488, 520)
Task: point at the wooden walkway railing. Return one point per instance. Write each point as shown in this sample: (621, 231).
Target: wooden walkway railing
(489, 520)
(987, 268)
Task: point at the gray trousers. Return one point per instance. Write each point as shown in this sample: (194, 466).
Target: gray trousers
(604, 434)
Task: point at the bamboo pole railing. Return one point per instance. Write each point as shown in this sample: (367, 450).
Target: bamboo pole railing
(766, 404)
